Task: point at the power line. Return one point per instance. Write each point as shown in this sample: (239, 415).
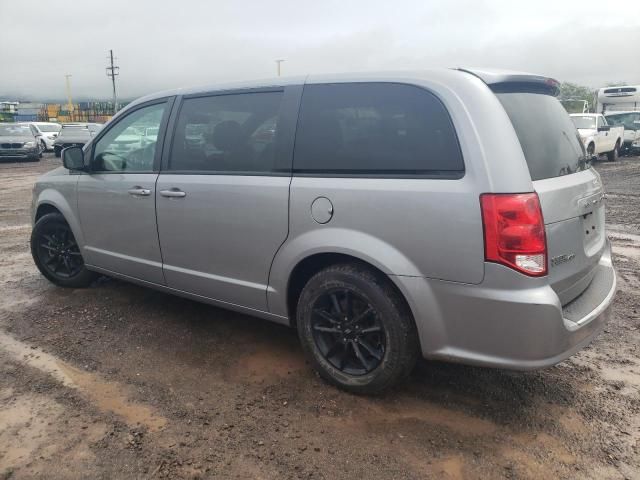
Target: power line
(113, 71)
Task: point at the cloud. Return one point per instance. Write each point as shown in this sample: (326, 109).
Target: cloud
(161, 45)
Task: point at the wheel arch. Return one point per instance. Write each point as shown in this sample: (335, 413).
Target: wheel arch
(44, 209)
(312, 264)
(53, 201)
(404, 286)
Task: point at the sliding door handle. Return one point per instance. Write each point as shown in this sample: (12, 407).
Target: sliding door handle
(173, 193)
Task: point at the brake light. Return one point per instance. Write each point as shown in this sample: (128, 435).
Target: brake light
(514, 232)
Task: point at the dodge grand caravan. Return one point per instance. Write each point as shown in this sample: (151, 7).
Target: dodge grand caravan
(451, 214)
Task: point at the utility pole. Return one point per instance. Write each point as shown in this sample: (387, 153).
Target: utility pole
(69, 102)
(278, 62)
(113, 72)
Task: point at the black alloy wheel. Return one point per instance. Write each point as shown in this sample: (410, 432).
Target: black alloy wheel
(348, 332)
(356, 329)
(59, 251)
(56, 253)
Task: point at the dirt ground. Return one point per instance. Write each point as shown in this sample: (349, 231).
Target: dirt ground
(118, 381)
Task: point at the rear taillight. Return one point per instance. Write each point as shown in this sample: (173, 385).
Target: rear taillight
(514, 232)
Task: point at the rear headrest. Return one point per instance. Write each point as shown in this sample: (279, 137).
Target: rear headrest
(227, 135)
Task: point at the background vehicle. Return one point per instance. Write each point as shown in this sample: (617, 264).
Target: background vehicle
(19, 141)
(597, 135)
(450, 213)
(631, 123)
(47, 133)
(74, 134)
(618, 99)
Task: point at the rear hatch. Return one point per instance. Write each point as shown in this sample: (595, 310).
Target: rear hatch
(570, 191)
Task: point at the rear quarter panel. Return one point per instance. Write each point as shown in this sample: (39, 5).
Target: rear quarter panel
(428, 228)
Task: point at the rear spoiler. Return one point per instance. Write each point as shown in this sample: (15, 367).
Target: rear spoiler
(506, 81)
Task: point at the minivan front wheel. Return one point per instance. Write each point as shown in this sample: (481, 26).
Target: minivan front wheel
(57, 254)
(356, 329)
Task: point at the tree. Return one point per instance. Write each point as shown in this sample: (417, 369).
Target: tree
(573, 97)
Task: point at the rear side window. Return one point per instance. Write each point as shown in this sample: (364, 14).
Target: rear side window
(227, 134)
(375, 129)
(548, 137)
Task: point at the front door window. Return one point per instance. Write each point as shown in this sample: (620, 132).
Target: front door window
(130, 146)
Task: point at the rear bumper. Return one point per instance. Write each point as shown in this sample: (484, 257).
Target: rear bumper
(508, 321)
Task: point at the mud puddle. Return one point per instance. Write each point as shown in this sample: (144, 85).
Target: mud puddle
(107, 396)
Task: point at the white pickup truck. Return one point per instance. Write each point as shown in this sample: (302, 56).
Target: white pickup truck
(598, 136)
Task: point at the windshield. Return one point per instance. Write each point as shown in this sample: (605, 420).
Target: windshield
(13, 130)
(584, 122)
(50, 127)
(630, 121)
(549, 140)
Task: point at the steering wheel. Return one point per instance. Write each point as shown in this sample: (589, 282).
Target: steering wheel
(112, 162)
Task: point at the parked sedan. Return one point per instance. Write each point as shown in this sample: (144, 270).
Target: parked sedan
(74, 134)
(18, 140)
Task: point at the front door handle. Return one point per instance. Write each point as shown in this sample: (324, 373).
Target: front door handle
(139, 192)
(173, 193)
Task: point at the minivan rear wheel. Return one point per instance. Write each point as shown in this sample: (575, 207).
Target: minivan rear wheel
(356, 329)
(57, 254)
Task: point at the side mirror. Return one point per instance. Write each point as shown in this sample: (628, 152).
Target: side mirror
(73, 158)
(604, 128)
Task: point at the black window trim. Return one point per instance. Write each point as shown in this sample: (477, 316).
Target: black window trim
(169, 101)
(377, 174)
(173, 124)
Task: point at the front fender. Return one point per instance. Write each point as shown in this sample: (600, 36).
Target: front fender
(369, 249)
(62, 198)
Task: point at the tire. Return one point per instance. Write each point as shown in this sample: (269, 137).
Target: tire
(44, 147)
(613, 155)
(591, 149)
(54, 248)
(339, 348)
(57, 152)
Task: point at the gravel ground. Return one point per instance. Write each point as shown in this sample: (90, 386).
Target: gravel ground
(118, 381)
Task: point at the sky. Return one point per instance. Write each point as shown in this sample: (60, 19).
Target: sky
(160, 44)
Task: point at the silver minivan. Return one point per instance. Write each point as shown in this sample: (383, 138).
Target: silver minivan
(451, 214)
